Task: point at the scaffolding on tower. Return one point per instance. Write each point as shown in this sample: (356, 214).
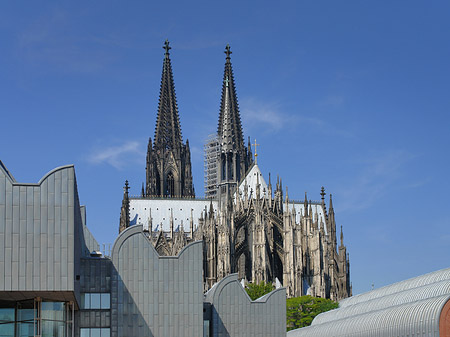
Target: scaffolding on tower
(211, 152)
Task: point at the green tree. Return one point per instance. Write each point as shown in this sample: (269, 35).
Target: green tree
(257, 290)
(300, 311)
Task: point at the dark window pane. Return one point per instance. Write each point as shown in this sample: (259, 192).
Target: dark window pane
(25, 329)
(7, 329)
(6, 315)
(25, 314)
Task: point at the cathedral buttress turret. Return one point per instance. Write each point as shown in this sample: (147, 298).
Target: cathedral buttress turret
(168, 167)
(332, 223)
(234, 156)
(125, 209)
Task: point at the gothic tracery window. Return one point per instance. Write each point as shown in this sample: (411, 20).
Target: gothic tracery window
(170, 192)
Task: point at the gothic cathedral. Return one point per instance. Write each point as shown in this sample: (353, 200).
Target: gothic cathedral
(247, 227)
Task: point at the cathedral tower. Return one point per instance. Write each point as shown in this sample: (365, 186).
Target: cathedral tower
(234, 158)
(168, 167)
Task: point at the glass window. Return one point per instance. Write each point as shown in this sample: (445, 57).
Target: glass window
(53, 311)
(105, 332)
(95, 301)
(52, 328)
(6, 315)
(105, 301)
(85, 301)
(95, 332)
(7, 329)
(25, 329)
(84, 332)
(21, 320)
(205, 328)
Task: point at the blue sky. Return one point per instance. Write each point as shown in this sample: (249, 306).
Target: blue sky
(351, 95)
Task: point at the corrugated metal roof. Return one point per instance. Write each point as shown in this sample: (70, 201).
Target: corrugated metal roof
(402, 297)
(419, 318)
(443, 274)
(408, 308)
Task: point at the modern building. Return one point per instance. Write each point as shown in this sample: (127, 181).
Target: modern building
(416, 307)
(248, 226)
(55, 282)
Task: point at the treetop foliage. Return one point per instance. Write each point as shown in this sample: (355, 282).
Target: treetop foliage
(255, 291)
(300, 311)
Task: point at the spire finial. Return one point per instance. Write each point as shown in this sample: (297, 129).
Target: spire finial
(228, 51)
(322, 193)
(166, 47)
(256, 154)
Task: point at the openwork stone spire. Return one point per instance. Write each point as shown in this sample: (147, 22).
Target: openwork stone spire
(168, 130)
(168, 167)
(235, 159)
(230, 127)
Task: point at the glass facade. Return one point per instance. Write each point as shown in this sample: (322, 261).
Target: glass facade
(36, 318)
(95, 332)
(95, 301)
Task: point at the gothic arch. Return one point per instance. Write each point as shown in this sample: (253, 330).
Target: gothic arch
(163, 250)
(171, 182)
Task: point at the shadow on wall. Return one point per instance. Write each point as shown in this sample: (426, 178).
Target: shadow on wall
(235, 314)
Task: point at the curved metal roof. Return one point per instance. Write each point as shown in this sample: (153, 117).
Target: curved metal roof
(408, 308)
(402, 297)
(443, 274)
(419, 318)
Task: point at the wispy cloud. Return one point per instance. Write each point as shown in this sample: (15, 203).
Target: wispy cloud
(257, 114)
(376, 176)
(117, 156)
(53, 39)
(272, 117)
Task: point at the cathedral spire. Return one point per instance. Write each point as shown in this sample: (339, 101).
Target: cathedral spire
(168, 130)
(168, 167)
(229, 118)
(233, 160)
(226, 140)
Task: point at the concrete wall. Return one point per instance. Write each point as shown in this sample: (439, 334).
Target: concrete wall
(153, 295)
(234, 314)
(40, 233)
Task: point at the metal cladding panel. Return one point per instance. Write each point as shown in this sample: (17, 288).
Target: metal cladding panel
(419, 318)
(153, 295)
(34, 235)
(443, 274)
(402, 297)
(234, 314)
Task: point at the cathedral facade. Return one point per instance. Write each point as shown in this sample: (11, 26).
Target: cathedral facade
(246, 225)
